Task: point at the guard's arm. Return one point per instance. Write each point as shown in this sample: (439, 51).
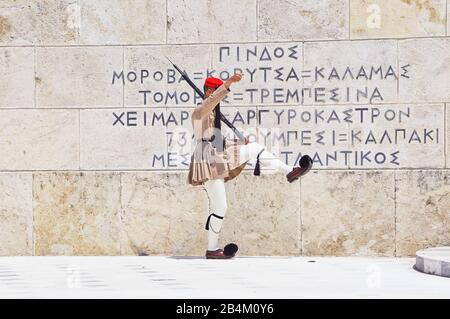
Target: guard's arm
(210, 102)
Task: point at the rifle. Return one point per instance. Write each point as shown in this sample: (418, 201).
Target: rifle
(196, 89)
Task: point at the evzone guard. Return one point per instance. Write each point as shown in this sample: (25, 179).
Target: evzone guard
(217, 159)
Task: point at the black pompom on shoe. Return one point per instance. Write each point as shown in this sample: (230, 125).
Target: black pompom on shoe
(230, 250)
(306, 161)
(306, 164)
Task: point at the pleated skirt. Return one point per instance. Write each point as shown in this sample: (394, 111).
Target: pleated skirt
(207, 163)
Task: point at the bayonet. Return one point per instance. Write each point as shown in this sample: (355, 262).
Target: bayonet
(200, 93)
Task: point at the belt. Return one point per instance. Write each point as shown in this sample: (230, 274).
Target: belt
(207, 139)
(211, 139)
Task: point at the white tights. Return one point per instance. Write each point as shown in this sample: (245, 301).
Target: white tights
(215, 188)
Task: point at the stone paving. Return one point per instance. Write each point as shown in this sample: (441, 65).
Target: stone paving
(195, 277)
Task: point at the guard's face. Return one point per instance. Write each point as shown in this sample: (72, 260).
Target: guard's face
(209, 91)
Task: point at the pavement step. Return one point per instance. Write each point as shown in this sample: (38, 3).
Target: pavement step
(434, 261)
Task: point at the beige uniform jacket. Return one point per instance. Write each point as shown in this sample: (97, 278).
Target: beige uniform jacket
(206, 161)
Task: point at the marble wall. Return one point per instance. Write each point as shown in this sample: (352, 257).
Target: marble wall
(95, 125)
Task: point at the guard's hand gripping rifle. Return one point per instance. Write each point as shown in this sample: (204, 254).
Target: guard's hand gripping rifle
(222, 117)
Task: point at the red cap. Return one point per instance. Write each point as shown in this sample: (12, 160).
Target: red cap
(213, 82)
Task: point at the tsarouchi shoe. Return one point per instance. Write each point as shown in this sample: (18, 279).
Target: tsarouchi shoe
(306, 164)
(216, 254)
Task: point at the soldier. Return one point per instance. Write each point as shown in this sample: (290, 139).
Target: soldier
(216, 160)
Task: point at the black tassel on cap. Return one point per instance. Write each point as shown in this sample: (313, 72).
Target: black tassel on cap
(219, 144)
